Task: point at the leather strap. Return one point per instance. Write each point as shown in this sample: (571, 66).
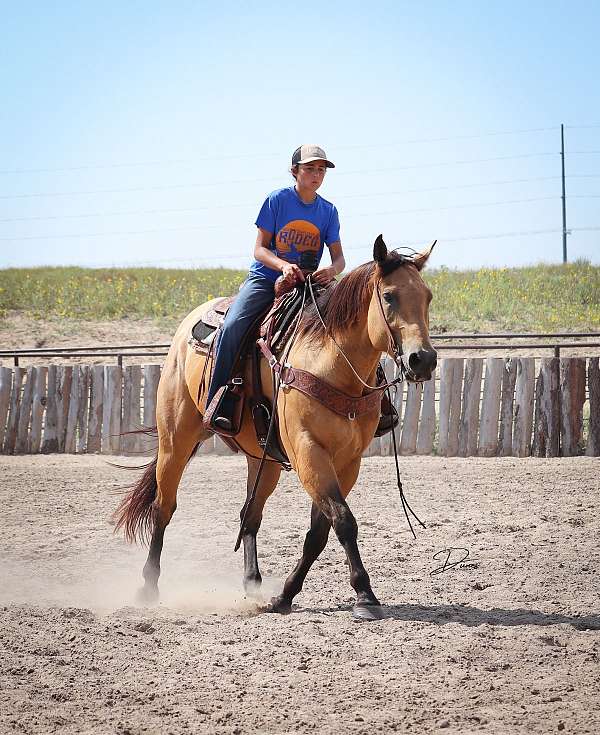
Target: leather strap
(314, 387)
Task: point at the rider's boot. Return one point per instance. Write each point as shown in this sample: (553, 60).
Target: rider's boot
(389, 418)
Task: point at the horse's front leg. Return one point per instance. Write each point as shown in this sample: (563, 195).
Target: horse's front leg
(314, 543)
(267, 483)
(330, 510)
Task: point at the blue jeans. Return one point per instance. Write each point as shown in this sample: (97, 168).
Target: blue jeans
(255, 296)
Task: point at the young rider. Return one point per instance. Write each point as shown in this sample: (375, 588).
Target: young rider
(294, 224)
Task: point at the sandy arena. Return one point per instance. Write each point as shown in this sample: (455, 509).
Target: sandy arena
(507, 642)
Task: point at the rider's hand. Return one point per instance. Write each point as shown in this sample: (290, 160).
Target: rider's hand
(324, 275)
(292, 273)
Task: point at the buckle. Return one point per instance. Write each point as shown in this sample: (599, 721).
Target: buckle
(237, 381)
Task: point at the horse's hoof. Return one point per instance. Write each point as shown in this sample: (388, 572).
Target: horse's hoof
(368, 612)
(278, 605)
(252, 587)
(147, 595)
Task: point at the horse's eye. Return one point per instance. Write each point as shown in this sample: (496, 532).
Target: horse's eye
(388, 297)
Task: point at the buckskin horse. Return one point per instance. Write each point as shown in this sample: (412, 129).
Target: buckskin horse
(379, 307)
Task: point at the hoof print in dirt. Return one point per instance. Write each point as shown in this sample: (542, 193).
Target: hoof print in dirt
(368, 612)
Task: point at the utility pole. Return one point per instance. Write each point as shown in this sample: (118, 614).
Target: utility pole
(564, 199)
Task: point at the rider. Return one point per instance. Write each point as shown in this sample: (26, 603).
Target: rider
(293, 224)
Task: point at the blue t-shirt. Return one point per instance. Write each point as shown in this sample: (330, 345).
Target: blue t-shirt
(297, 228)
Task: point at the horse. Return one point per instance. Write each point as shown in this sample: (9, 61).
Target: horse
(379, 307)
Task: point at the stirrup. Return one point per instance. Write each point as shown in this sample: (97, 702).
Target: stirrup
(387, 422)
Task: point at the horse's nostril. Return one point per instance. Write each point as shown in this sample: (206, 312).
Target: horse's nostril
(422, 360)
(414, 360)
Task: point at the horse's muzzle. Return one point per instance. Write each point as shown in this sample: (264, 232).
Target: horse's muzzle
(421, 364)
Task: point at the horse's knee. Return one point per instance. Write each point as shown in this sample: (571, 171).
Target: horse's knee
(340, 516)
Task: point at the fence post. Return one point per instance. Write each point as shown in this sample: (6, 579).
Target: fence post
(446, 372)
(83, 412)
(469, 420)
(593, 442)
(490, 407)
(37, 410)
(132, 388)
(72, 413)
(524, 397)
(427, 422)
(151, 380)
(6, 375)
(10, 438)
(546, 439)
(572, 398)
(50, 444)
(111, 414)
(25, 414)
(509, 377)
(94, 437)
(63, 396)
(408, 442)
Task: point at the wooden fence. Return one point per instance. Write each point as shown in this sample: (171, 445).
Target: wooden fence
(487, 407)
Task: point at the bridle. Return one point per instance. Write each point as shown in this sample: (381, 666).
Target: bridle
(393, 347)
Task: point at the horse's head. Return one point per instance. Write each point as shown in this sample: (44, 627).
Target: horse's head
(398, 320)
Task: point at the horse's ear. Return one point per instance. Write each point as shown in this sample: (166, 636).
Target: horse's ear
(379, 250)
(421, 258)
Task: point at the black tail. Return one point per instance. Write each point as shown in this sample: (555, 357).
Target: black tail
(135, 514)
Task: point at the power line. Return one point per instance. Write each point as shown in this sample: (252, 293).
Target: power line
(411, 167)
(367, 195)
(207, 226)
(246, 206)
(420, 241)
(454, 206)
(191, 162)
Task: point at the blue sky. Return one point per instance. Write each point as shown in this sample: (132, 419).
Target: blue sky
(150, 133)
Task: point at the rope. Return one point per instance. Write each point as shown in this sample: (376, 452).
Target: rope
(251, 499)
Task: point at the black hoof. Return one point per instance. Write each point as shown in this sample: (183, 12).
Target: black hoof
(147, 595)
(278, 605)
(368, 612)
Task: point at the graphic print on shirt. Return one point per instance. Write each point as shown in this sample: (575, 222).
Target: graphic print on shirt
(298, 236)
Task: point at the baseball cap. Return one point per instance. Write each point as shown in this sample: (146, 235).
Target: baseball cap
(310, 152)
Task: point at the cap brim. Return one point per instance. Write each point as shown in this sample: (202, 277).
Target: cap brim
(329, 164)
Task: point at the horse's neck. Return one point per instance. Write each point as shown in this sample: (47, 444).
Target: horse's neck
(329, 363)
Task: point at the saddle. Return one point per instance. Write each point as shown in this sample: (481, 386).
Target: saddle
(276, 323)
(203, 332)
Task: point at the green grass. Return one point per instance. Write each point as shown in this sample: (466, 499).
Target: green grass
(537, 298)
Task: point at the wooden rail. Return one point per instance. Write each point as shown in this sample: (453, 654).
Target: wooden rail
(494, 406)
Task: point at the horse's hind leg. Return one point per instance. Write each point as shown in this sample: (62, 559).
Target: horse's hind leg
(267, 483)
(179, 431)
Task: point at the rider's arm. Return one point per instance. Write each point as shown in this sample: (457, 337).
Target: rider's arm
(338, 263)
(264, 255)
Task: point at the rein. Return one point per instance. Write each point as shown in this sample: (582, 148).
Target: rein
(397, 350)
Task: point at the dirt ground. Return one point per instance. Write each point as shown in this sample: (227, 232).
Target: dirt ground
(506, 642)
